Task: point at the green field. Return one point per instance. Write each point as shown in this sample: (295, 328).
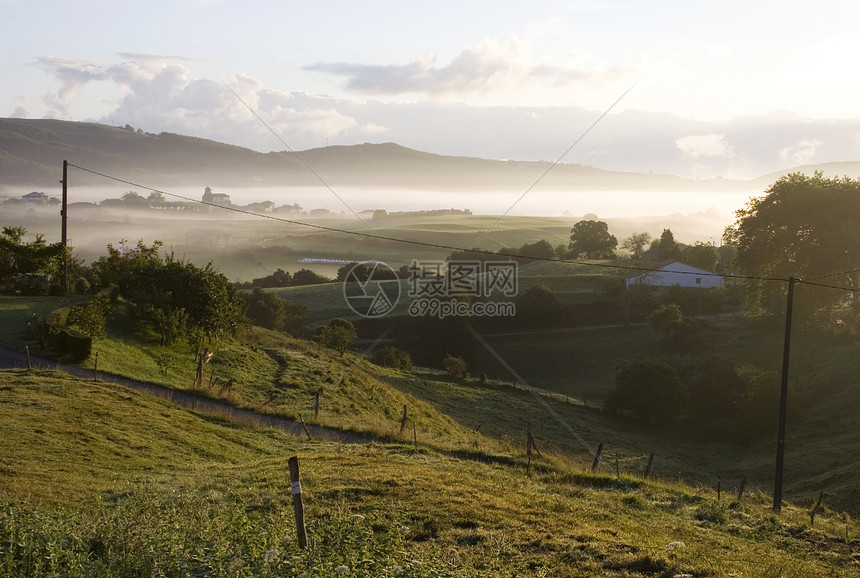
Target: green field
(103, 480)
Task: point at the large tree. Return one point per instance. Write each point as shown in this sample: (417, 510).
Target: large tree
(803, 227)
(636, 243)
(591, 239)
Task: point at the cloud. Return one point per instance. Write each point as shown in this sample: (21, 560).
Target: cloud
(156, 94)
(800, 153)
(490, 66)
(707, 145)
(71, 74)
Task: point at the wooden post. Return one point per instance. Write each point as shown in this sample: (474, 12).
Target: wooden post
(597, 458)
(783, 401)
(648, 467)
(96, 367)
(29, 366)
(403, 420)
(304, 427)
(64, 217)
(529, 448)
(298, 506)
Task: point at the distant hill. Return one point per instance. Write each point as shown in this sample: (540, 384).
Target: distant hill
(32, 152)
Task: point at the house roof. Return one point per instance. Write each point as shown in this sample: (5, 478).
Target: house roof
(670, 266)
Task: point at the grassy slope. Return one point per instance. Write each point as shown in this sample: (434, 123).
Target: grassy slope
(109, 481)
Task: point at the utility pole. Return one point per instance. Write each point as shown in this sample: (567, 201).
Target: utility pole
(783, 400)
(64, 217)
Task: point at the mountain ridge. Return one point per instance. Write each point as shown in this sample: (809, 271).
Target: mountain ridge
(32, 152)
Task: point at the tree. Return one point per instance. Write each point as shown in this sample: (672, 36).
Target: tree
(337, 335)
(680, 334)
(667, 247)
(308, 277)
(454, 366)
(649, 389)
(636, 243)
(391, 356)
(31, 261)
(266, 309)
(279, 278)
(702, 255)
(91, 319)
(803, 227)
(591, 239)
(538, 250)
(537, 306)
(756, 416)
(664, 318)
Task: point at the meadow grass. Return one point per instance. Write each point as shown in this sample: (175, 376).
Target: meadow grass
(134, 486)
(82, 441)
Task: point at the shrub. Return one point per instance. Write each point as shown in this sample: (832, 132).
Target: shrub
(649, 389)
(91, 319)
(393, 357)
(454, 366)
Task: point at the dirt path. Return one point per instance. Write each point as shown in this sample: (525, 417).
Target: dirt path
(10, 359)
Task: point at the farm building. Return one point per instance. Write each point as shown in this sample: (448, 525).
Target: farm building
(677, 273)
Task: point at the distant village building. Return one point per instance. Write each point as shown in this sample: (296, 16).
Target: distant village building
(677, 273)
(217, 199)
(294, 209)
(34, 199)
(263, 207)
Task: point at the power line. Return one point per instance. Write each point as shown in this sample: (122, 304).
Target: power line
(428, 244)
(301, 160)
(552, 166)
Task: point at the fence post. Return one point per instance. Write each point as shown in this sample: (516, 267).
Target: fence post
(29, 366)
(742, 488)
(298, 506)
(96, 367)
(597, 458)
(403, 420)
(648, 467)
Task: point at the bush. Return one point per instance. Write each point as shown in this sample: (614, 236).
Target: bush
(649, 389)
(91, 318)
(393, 357)
(82, 286)
(454, 366)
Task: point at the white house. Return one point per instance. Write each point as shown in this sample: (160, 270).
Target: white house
(677, 273)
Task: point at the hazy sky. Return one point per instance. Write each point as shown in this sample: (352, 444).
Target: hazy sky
(733, 89)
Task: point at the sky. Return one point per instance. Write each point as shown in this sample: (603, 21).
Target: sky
(690, 88)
